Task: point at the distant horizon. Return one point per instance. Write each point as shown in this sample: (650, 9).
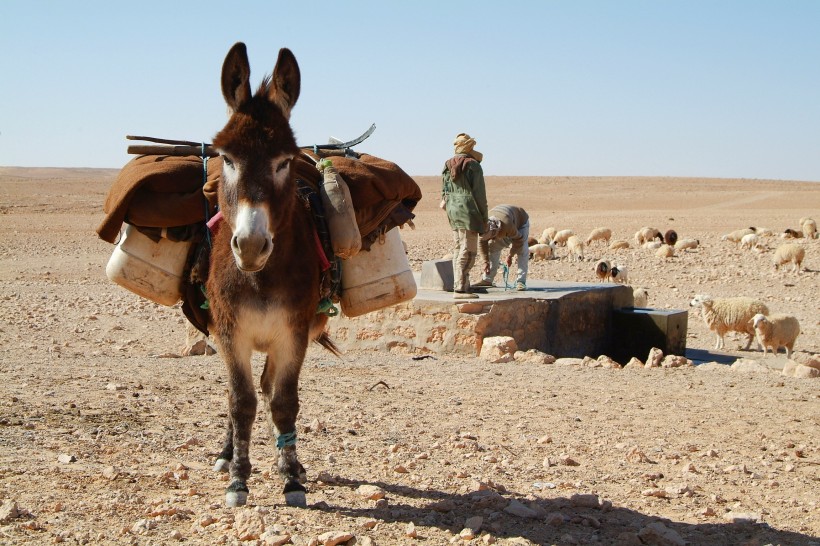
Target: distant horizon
(115, 169)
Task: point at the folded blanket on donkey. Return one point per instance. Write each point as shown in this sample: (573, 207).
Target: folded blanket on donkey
(167, 191)
(160, 191)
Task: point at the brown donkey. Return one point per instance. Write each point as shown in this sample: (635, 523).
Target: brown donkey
(265, 270)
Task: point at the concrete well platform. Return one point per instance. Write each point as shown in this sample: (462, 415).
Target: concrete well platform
(564, 319)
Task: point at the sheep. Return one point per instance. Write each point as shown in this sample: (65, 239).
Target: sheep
(619, 274)
(640, 297)
(547, 235)
(532, 241)
(665, 251)
(542, 252)
(652, 245)
(670, 237)
(776, 331)
(561, 237)
(789, 233)
(603, 270)
(646, 234)
(809, 228)
(763, 232)
(789, 253)
(619, 244)
(687, 244)
(723, 315)
(750, 241)
(736, 235)
(575, 246)
(599, 234)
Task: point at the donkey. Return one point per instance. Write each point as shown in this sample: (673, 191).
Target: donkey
(265, 271)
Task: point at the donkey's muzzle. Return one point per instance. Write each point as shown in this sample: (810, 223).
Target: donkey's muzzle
(251, 251)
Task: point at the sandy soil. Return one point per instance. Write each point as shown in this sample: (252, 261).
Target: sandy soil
(107, 436)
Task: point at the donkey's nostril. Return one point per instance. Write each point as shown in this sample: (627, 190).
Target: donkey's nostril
(235, 244)
(266, 247)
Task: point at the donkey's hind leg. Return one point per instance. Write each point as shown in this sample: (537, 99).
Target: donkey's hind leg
(281, 394)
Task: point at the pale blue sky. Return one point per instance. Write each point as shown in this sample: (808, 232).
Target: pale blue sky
(636, 88)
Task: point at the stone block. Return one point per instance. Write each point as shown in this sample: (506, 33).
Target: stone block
(636, 330)
(437, 275)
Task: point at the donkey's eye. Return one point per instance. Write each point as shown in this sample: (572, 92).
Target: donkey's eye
(283, 165)
(227, 161)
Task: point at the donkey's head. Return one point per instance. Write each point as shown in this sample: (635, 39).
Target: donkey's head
(257, 193)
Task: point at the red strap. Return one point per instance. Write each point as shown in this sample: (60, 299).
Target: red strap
(323, 261)
(213, 223)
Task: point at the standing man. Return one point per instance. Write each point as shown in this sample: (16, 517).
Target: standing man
(508, 226)
(464, 197)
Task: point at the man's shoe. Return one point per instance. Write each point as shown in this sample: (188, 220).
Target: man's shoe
(520, 287)
(464, 296)
(483, 284)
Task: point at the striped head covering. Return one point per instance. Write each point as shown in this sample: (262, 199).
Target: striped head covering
(465, 144)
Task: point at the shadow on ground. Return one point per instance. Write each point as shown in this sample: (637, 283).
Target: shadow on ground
(578, 519)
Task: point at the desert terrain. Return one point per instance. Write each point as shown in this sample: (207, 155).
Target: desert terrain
(108, 434)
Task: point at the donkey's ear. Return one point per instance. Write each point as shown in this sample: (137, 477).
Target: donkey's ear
(236, 73)
(286, 82)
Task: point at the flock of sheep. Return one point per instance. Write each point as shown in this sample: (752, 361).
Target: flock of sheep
(722, 315)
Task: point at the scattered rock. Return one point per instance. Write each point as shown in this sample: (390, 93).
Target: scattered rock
(9, 511)
(498, 349)
(65, 458)
(660, 535)
(248, 524)
(533, 356)
(747, 365)
(519, 509)
(743, 517)
(634, 363)
(654, 359)
(675, 361)
(410, 530)
(585, 500)
(370, 492)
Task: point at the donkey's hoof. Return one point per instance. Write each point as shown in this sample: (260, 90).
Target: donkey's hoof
(295, 494)
(236, 494)
(222, 465)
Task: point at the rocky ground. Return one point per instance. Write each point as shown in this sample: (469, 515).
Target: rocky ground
(108, 435)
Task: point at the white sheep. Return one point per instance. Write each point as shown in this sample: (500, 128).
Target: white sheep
(640, 297)
(652, 245)
(665, 251)
(619, 274)
(750, 241)
(561, 237)
(603, 270)
(599, 234)
(619, 244)
(737, 235)
(575, 247)
(763, 232)
(789, 253)
(776, 331)
(542, 251)
(809, 228)
(687, 244)
(547, 235)
(724, 315)
(647, 234)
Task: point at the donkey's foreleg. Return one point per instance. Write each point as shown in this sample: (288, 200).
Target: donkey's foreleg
(223, 462)
(241, 412)
(281, 392)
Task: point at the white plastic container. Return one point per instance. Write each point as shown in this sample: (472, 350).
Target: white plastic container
(149, 269)
(377, 278)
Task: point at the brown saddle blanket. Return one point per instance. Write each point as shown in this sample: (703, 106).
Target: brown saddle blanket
(172, 191)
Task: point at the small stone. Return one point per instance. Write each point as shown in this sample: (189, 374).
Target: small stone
(270, 538)
(634, 363)
(654, 359)
(65, 458)
(370, 492)
(547, 439)
(635, 455)
(556, 519)
(332, 538)
(175, 535)
(585, 500)
(498, 349)
(658, 533)
(400, 469)
(410, 530)
(248, 524)
(654, 492)
(110, 473)
(474, 524)
(519, 509)
(741, 517)
(369, 523)
(8, 511)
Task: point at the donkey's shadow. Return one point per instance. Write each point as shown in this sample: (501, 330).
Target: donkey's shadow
(549, 520)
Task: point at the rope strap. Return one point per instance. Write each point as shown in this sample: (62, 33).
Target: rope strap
(286, 439)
